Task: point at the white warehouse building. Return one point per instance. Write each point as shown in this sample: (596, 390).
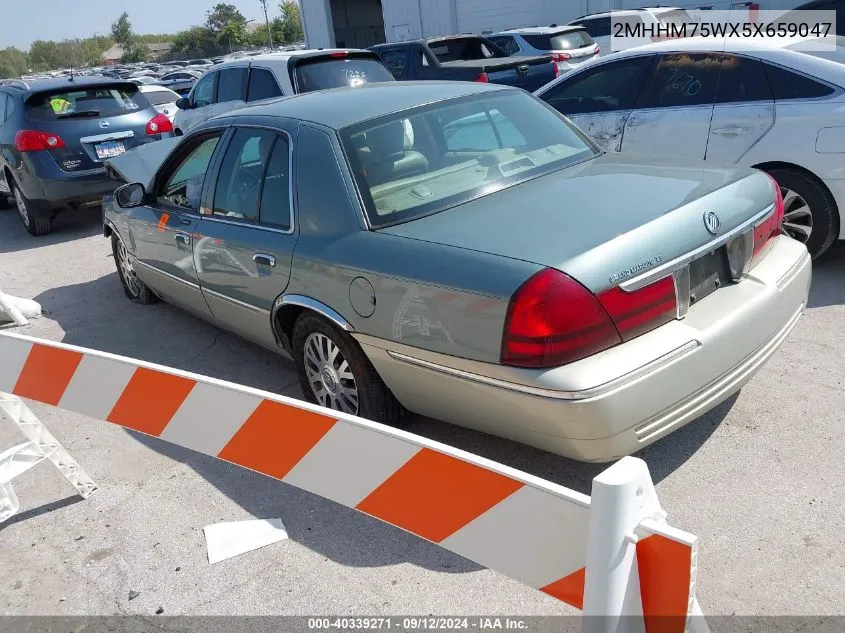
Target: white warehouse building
(362, 23)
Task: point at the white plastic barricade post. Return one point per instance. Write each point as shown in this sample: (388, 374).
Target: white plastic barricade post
(8, 305)
(613, 556)
(41, 445)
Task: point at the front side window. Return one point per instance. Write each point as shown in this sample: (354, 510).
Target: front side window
(183, 188)
(239, 184)
(608, 87)
(682, 79)
(204, 91)
(412, 164)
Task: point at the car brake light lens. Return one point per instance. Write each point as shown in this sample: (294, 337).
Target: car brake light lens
(553, 320)
(482, 78)
(643, 310)
(34, 141)
(771, 225)
(159, 124)
(561, 57)
(339, 54)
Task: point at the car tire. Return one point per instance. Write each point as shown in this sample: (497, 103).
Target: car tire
(6, 202)
(810, 213)
(321, 350)
(135, 289)
(36, 223)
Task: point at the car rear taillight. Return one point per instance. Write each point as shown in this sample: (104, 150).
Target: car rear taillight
(771, 225)
(561, 57)
(482, 78)
(34, 141)
(643, 310)
(553, 320)
(159, 124)
(339, 54)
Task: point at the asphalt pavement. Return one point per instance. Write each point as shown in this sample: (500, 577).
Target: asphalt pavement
(759, 479)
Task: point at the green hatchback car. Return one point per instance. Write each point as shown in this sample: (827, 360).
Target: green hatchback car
(464, 252)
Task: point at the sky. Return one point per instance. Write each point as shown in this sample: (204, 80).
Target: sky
(23, 21)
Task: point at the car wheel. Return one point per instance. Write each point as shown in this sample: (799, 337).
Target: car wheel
(35, 222)
(134, 288)
(335, 373)
(809, 210)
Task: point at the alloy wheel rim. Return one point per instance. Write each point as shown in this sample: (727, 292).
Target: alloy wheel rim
(21, 207)
(127, 271)
(797, 216)
(329, 374)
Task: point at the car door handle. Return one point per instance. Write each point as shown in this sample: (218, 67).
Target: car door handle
(182, 237)
(264, 259)
(730, 131)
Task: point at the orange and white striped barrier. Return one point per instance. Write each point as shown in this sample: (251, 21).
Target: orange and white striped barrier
(611, 555)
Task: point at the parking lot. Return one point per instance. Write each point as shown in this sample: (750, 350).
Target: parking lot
(759, 479)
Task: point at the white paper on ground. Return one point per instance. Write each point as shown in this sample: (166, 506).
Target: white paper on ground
(225, 540)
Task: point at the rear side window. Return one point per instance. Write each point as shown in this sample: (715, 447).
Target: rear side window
(608, 87)
(160, 97)
(94, 101)
(396, 62)
(232, 85)
(509, 45)
(596, 27)
(741, 80)
(323, 73)
(561, 41)
(239, 183)
(262, 85)
(789, 85)
(682, 80)
(275, 193)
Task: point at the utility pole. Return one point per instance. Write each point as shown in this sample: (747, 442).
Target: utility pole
(267, 20)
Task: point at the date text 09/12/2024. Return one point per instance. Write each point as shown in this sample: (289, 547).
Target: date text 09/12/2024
(416, 623)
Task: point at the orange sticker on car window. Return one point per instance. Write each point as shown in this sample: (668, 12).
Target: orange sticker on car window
(163, 222)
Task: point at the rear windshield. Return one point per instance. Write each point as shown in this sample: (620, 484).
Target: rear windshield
(560, 41)
(461, 49)
(322, 73)
(160, 97)
(94, 101)
(411, 164)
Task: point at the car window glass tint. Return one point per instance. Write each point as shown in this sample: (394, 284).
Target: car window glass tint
(482, 132)
(321, 73)
(789, 85)
(681, 79)
(184, 187)
(262, 85)
(397, 64)
(741, 79)
(239, 182)
(204, 91)
(231, 85)
(596, 27)
(275, 194)
(10, 107)
(611, 86)
(83, 102)
(509, 44)
(2, 108)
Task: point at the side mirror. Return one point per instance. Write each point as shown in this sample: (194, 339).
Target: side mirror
(183, 103)
(131, 195)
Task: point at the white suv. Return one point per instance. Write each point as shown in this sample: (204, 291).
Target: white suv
(599, 25)
(236, 83)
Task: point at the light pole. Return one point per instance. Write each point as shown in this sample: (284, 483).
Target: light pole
(267, 20)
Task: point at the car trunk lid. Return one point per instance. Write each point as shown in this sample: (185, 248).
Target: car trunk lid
(605, 220)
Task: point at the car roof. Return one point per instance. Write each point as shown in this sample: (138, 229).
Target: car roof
(654, 10)
(727, 45)
(541, 30)
(66, 82)
(284, 56)
(338, 108)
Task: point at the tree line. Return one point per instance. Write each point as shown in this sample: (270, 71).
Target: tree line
(225, 30)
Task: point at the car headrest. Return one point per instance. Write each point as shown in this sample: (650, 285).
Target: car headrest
(387, 141)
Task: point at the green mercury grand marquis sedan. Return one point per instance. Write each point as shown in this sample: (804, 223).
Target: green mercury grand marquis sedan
(464, 252)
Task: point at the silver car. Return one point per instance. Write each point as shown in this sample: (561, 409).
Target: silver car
(568, 46)
(462, 251)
